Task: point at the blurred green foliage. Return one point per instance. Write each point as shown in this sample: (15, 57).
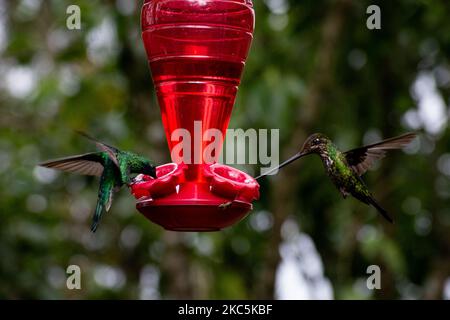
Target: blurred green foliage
(96, 79)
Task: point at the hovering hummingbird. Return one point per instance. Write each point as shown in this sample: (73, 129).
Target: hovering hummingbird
(346, 168)
(112, 165)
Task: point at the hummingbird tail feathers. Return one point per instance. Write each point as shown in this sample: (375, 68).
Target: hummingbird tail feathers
(380, 209)
(104, 201)
(109, 201)
(97, 216)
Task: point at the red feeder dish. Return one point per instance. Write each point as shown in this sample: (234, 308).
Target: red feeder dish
(197, 51)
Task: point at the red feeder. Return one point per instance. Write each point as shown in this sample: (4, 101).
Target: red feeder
(197, 51)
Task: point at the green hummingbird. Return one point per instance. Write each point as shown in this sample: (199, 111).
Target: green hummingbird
(346, 168)
(112, 165)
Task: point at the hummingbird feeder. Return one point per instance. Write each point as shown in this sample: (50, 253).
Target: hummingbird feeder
(196, 51)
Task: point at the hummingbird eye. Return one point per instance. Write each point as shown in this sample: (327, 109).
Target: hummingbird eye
(316, 141)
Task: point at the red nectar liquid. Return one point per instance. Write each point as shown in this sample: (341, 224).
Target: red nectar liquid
(196, 51)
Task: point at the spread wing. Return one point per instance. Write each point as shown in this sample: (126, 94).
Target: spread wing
(361, 159)
(90, 164)
(110, 150)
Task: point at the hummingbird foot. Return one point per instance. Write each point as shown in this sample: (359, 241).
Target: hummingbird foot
(225, 205)
(343, 193)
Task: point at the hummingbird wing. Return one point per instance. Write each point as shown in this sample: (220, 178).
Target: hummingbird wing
(90, 164)
(110, 150)
(361, 159)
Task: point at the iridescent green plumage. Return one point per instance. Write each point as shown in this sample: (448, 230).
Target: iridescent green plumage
(345, 168)
(347, 179)
(112, 165)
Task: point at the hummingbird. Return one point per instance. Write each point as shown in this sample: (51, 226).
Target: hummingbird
(346, 168)
(112, 165)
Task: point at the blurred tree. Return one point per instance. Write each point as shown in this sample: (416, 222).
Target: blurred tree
(314, 66)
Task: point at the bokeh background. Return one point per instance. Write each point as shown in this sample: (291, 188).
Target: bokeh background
(313, 66)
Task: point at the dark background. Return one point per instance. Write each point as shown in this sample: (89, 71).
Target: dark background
(313, 66)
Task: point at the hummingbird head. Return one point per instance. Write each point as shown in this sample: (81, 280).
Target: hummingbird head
(316, 143)
(149, 170)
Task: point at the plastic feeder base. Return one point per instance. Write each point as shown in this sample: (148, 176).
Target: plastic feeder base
(200, 216)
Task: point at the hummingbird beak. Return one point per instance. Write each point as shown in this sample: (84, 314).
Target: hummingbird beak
(153, 173)
(285, 163)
